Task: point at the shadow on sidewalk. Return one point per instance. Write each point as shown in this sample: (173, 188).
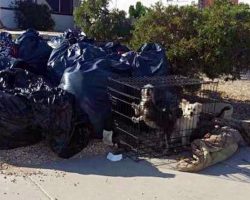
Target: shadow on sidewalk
(236, 168)
(99, 165)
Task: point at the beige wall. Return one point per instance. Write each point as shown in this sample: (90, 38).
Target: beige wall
(62, 22)
(7, 18)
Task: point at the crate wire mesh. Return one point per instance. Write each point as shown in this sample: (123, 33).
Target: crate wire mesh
(140, 140)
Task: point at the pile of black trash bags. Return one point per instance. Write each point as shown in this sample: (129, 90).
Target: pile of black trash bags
(60, 94)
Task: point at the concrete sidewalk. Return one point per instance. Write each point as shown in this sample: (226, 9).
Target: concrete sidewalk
(96, 178)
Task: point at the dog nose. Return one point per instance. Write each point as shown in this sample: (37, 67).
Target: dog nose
(191, 114)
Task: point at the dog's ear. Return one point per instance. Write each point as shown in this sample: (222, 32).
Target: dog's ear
(184, 102)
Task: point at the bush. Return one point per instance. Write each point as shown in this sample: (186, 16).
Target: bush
(32, 15)
(176, 29)
(214, 41)
(225, 38)
(94, 18)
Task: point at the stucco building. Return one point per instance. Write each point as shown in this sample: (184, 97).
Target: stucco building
(62, 13)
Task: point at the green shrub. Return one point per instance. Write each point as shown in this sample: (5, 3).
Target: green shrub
(176, 29)
(214, 41)
(225, 39)
(32, 15)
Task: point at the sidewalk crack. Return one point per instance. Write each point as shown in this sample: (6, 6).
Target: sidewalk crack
(40, 188)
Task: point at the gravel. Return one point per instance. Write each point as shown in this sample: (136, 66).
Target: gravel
(24, 160)
(21, 161)
(238, 94)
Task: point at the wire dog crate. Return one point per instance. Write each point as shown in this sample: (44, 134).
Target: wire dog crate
(174, 107)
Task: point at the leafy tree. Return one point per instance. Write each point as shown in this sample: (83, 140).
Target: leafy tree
(32, 15)
(120, 25)
(91, 13)
(137, 11)
(94, 17)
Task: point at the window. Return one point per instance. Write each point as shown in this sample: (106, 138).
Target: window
(66, 7)
(61, 6)
(55, 5)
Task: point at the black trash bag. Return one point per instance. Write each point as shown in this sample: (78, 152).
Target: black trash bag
(21, 64)
(67, 55)
(7, 46)
(114, 47)
(73, 33)
(34, 50)
(68, 128)
(5, 36)
(71, 36)
(76, 35)
(16, 125)
(8, 50)
(150, 60)
(87, 78)
(5, 62)
(58, 62)
(88, 81)
(31, 109)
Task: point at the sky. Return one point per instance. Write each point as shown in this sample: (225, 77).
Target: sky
(124, 4)
(245, 1)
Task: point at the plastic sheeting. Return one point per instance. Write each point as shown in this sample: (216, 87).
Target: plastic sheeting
(148, 61)
(88, 81)
(87, 78)
(67, 55)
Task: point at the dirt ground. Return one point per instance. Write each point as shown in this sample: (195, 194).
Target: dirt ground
(237, 93)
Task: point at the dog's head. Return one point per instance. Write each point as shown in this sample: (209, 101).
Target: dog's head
(191, 109)
(147, 92)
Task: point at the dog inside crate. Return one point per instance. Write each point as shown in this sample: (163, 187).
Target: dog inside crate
(153, 116)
